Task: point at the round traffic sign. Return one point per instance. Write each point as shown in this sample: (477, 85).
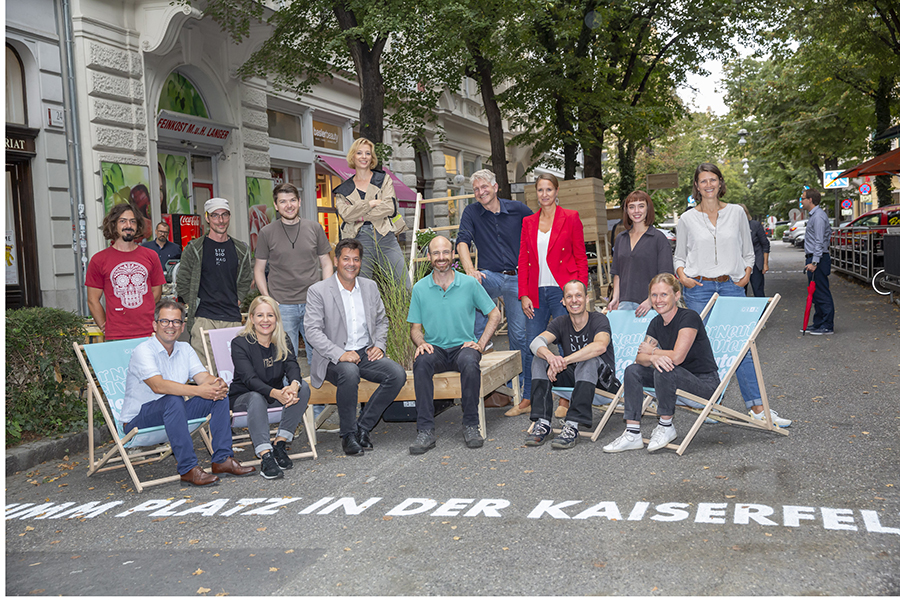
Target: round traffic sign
(794, 215)
(847, 203)
(865, 189)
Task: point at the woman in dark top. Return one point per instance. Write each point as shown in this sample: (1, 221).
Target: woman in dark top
(263, 360)
(675, 354)
(639, 253)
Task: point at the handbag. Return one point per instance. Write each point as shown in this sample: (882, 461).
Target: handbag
(606, 378)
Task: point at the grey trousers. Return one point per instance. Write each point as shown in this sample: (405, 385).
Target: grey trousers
(637, 377)
(383, 250)
(257, 407)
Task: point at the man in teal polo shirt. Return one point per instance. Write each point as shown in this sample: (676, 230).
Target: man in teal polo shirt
(442, 313)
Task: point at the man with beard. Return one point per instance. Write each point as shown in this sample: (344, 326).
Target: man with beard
(214, 276)
(162, 246)
(128, 276)
(442, 313)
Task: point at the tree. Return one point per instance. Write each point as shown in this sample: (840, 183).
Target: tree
(387, 44)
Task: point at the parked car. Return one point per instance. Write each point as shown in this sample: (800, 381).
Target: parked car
(670, 235)
(884, 215)
(791, 231)
(875, 221)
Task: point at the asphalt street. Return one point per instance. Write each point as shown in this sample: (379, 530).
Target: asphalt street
(741, 513)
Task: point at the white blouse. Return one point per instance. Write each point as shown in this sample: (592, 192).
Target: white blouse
(545, 277)
(712, 251)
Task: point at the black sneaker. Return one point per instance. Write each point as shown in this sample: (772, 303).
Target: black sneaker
(565, 440)
(472, 435)
(538, 434)
(425, 441)
(281, 456)
(269, 468)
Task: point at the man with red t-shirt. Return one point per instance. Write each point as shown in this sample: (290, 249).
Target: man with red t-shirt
(128, 276)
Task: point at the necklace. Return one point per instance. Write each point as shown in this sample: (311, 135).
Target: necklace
(294, 241)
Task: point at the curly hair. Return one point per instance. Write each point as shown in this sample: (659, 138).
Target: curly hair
(111, 220)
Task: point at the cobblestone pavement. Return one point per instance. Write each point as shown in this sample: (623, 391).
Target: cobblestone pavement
(741, 513)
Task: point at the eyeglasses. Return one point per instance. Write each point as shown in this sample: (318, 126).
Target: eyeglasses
(167, 322)
(220, 216)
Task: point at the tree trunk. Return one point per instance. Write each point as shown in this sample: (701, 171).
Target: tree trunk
(483, 71)
(368, 70)
(882, 122)
(627, 154)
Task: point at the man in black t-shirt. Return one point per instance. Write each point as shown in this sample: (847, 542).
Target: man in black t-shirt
(584, 338)
(214, 275)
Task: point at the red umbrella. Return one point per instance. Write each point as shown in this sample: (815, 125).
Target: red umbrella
(886, 164)
(809, 295)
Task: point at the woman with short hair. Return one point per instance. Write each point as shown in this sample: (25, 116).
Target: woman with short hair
(263, 360)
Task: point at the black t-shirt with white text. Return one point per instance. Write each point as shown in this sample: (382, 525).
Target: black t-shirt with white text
(218, 282)
(571, 341)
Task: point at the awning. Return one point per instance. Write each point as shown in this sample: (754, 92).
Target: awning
(886, 164)
(339, 167)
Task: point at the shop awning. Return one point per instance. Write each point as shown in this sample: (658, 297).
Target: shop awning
(339, 167)
(886, 164)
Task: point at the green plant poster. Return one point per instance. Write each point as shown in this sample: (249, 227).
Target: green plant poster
(127, 184)
(180, 95)
(174, 184)
(262, 206)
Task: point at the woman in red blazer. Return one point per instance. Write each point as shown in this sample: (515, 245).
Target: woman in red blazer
(551, 253)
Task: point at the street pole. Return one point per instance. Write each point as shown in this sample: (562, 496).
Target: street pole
(837, 209)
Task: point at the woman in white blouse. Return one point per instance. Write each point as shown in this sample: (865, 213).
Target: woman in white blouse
(714, 254)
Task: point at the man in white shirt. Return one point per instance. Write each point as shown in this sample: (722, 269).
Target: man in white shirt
(155, 391)
(346, 329)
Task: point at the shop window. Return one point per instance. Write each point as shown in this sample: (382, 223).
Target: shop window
(468, 167)
(326, 135)
(179, 95)
(284, 126)
(328, 215)
(450, 164)
(15, 88)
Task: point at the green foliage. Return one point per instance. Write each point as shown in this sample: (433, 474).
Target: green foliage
(43, 377)
(177, 185)
(245, 305)
(779, 231)
(396, 298)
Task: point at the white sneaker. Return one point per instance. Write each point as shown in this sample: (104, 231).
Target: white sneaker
(660, 437)
(779, 421)
(626, 441)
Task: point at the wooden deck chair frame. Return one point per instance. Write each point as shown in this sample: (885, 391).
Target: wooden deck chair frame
(712, 407)
(619, 397)
(239, 419)
(118, 456)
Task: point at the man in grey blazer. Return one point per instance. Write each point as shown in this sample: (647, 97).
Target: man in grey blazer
(346, 330)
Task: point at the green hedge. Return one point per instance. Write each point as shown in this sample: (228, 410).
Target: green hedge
(43, 377)
(779, 231)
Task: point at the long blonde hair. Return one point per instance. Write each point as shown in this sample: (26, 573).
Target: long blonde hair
(278, 336)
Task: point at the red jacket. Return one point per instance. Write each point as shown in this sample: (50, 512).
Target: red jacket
(565, 256)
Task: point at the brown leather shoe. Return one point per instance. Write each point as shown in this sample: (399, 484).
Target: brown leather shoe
(232, 467)
(197, 476)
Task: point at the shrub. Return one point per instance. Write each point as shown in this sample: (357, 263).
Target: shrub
(779, 231)
(43, 377)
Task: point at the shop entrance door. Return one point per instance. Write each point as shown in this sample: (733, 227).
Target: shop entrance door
(22, 276)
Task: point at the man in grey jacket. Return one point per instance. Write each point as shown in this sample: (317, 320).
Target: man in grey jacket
(346, 329)
(214, 275)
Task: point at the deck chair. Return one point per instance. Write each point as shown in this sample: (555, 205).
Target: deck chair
(110, 364)
(219, 342)
(627, 334)
(733, 325)
(628, 331)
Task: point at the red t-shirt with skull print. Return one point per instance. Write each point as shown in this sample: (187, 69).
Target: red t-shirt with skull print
(127, 279)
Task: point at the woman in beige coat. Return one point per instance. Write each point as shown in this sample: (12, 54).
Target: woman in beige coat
(368, 206)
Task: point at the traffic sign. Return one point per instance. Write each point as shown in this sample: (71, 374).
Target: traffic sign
(794, 215)
(865, 189)
(690, 200)
(832, 183)
(847, 203)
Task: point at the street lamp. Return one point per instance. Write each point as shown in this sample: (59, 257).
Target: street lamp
(743, 133)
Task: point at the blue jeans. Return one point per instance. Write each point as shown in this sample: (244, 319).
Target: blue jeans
(292, 320)
(550, 307)
(507, 286)
(824, 317)
(626, 305)
(695, 299)
(174, 412)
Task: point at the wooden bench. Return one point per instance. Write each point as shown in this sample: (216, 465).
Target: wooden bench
(496, 369)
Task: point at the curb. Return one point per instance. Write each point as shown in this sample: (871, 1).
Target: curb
(34, 453)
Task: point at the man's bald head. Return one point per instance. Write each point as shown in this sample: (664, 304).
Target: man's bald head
(438, 242)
